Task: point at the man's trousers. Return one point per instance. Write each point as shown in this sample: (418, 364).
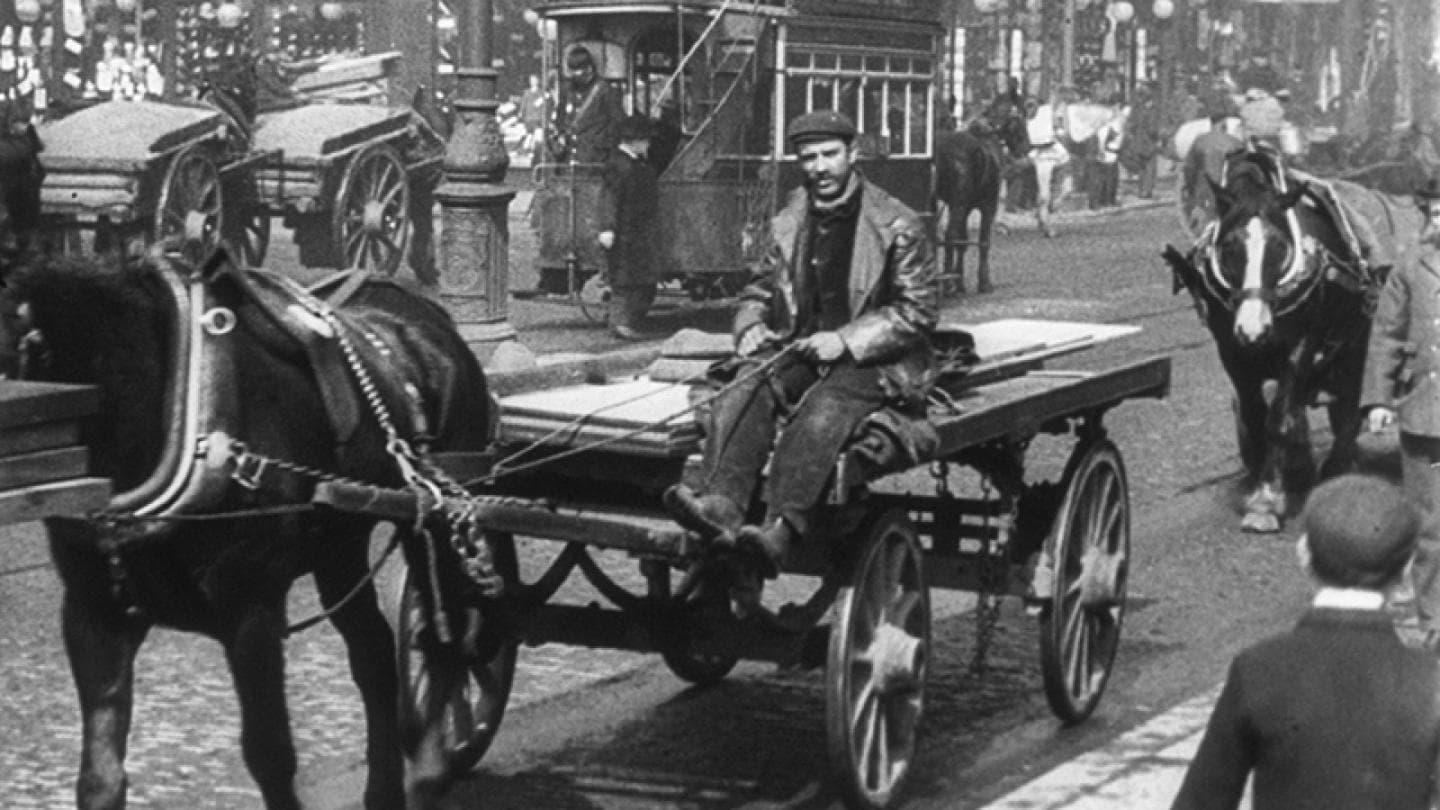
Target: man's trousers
(824, 406)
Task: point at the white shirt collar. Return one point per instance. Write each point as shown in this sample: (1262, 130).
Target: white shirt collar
(1349, 599)
(632, 153)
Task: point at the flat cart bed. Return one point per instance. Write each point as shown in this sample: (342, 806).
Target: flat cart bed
(1063, 546)
(1021, 405)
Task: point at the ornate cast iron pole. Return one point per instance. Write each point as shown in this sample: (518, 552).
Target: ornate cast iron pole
(474, 201)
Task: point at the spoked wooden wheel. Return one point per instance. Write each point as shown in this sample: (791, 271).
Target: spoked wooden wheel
(475, 703)
(1090, 559)
(372, 211)
(190, 209)
(875, 674)
(247, 224)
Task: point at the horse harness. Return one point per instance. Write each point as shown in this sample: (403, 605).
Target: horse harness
(1311, 264)
(201, 461)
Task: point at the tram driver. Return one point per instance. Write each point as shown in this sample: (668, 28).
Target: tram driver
(590, 113)
(835, 324)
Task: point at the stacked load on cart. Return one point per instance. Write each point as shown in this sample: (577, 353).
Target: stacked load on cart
(97, 160)
(44, 468)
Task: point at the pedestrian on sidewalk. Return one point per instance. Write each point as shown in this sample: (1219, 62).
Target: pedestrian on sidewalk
(1400, 390)
(834, 325)
(1337, 712)
(628, 220)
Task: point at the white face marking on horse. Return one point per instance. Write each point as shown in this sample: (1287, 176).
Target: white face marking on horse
(1253, 318)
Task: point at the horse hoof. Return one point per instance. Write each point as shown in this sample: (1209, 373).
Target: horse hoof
(1260, 523)
(1049, 233)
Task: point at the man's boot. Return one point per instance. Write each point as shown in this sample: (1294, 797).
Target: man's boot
(766, 545)
(710, 516)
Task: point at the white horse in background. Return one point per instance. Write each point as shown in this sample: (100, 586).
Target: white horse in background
(1056, 131)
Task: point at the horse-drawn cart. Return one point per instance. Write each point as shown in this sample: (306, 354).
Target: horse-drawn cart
(1063, 546)
(339, 173)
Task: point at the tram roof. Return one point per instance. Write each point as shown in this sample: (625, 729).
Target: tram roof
(567, 8)
(898, 10)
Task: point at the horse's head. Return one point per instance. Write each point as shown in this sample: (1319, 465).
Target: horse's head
(1255, 253)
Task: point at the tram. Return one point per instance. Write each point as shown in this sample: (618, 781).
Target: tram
(721, 78)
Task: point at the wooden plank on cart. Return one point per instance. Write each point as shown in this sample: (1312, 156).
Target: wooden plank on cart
(637, 415)
(1010, 347)
(1025, 404)
(75, 496)
(25, 403)
(125, 136)
(316, 132)
(43, 466)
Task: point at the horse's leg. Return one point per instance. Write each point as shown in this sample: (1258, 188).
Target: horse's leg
(1344, 412)
(257, 665)
(102, 652)
(370, 646)
(1287, 466)
(987, 223)
(1252, 415)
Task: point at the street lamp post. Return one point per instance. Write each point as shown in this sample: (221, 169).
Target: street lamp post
(474, 201)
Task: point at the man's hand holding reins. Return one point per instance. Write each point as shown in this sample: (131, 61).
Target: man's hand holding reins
(822, 347)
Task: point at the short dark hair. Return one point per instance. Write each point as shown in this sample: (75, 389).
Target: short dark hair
(1361, 531)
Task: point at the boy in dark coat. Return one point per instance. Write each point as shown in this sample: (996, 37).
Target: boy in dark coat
(1337, 712)
(628, 217)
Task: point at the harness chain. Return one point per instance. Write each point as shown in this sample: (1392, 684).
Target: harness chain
(994, 577)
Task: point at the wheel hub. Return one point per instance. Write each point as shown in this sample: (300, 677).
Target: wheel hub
(897, 657)
(196, 226)
(373, 220)
(1100, 574)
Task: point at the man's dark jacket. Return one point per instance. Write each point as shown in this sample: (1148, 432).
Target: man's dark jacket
(1336, 713)
(892, 287)
(629, 207)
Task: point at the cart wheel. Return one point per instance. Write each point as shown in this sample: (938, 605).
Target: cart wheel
(1080, 627)
(595, 299)
(476, 703)
(875, 675)
(191, 205)
(372, 211)
(247, 229)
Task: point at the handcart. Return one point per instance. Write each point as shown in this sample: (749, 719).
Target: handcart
(1063, 546)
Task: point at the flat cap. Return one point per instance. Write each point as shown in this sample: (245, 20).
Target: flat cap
(819, 125)
(1361, 531)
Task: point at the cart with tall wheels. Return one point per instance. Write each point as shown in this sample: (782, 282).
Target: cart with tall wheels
(874, 554)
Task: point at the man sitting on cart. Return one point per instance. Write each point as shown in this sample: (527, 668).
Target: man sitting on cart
(834, 325)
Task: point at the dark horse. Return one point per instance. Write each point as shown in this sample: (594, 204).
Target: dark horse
(217, 554)
(968, 167)
(1285, 280)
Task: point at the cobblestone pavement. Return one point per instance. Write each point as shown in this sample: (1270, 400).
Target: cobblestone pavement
(184, 743)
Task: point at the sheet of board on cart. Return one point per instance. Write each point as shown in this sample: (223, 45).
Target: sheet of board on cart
(651, 417)
(43, 466)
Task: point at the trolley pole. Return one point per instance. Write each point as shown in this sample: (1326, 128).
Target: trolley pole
(474, 201)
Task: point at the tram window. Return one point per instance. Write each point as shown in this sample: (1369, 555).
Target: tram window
(850, 98)
(888, 98)
(919, 111)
